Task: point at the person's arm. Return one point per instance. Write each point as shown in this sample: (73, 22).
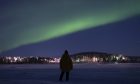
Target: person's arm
(71, 64)
(60, 64)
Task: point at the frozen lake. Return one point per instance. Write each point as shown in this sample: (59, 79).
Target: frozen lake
(81, 74)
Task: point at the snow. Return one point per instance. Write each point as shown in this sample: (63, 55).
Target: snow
(81, 74)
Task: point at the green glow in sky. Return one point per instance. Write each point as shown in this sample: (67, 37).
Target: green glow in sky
(61, 21)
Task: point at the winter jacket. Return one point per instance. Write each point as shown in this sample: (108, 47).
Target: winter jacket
(66, 63)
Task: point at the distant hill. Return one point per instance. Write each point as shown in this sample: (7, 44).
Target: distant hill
(90, 53)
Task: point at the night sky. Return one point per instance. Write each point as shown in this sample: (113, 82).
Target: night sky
(48, 27)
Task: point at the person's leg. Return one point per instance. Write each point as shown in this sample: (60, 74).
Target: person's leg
(67, 76)
(61, 76)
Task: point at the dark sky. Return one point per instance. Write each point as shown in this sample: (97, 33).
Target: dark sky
(47, 27)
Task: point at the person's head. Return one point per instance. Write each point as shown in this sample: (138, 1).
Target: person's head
(66, 52)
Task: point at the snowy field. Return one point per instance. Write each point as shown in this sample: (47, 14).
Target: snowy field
(81, 74)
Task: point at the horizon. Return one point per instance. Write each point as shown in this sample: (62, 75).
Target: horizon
(71, 54)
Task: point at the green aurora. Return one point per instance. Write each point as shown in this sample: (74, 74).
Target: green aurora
(70, 21)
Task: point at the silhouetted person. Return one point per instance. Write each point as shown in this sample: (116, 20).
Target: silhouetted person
(66, 65)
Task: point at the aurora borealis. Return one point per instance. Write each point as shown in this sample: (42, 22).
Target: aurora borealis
(25, 22)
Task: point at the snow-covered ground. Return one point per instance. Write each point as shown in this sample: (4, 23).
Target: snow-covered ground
(81, 74)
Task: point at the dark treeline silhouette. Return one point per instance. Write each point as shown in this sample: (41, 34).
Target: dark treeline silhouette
(86, 57)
